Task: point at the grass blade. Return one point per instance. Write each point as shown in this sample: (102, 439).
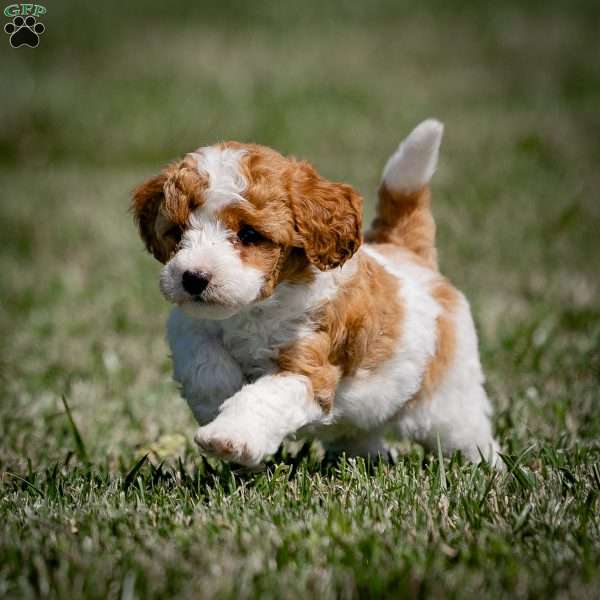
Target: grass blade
(33, 487)
(130, 477)
(443, 482)
(81, 450)
(596, 473)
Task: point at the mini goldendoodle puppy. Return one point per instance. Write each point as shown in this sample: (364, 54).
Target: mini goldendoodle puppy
(286, 323)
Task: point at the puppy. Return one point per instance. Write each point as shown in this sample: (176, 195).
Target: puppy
(285, 322)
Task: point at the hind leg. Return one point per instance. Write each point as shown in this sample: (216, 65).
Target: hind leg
(459, 418)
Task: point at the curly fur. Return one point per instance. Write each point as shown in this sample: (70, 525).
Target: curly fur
(299, 329)
(328, 217)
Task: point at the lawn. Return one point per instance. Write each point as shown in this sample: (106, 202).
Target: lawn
(114, 91)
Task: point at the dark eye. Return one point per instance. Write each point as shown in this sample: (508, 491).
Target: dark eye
(174, 233)
(247, 235)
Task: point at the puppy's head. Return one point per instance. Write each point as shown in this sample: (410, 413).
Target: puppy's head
(232, 221)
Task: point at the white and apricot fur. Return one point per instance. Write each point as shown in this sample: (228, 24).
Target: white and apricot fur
(302, 330)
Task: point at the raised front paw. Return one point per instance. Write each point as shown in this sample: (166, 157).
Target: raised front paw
(230, 445)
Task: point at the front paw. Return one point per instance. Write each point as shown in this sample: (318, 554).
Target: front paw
(230, 445)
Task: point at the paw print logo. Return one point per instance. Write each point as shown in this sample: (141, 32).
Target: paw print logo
(24, 32)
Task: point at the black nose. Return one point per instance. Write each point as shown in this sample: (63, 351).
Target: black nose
(194, 283)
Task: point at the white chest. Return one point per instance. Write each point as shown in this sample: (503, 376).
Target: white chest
(254, 338)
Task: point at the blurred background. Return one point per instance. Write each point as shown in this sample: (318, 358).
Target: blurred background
(117, 89)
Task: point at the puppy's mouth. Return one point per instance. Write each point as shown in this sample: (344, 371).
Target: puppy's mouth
(205, 299)
(203, 308)
(200, 300)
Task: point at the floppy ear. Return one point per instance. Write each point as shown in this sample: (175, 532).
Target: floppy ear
(145, 205)
(328, 217)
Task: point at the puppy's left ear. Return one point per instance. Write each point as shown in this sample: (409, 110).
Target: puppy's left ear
(145, 206)
(328, 217)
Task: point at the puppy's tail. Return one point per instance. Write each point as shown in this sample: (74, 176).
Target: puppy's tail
(403, 214)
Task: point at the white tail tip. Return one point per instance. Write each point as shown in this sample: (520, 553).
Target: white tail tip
(413, 164)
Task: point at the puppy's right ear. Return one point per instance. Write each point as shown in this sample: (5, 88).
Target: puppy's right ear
(145, 206)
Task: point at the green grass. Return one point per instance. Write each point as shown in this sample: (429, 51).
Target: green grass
(118, 89)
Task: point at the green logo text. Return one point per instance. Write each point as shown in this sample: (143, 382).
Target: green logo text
(15, 10)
